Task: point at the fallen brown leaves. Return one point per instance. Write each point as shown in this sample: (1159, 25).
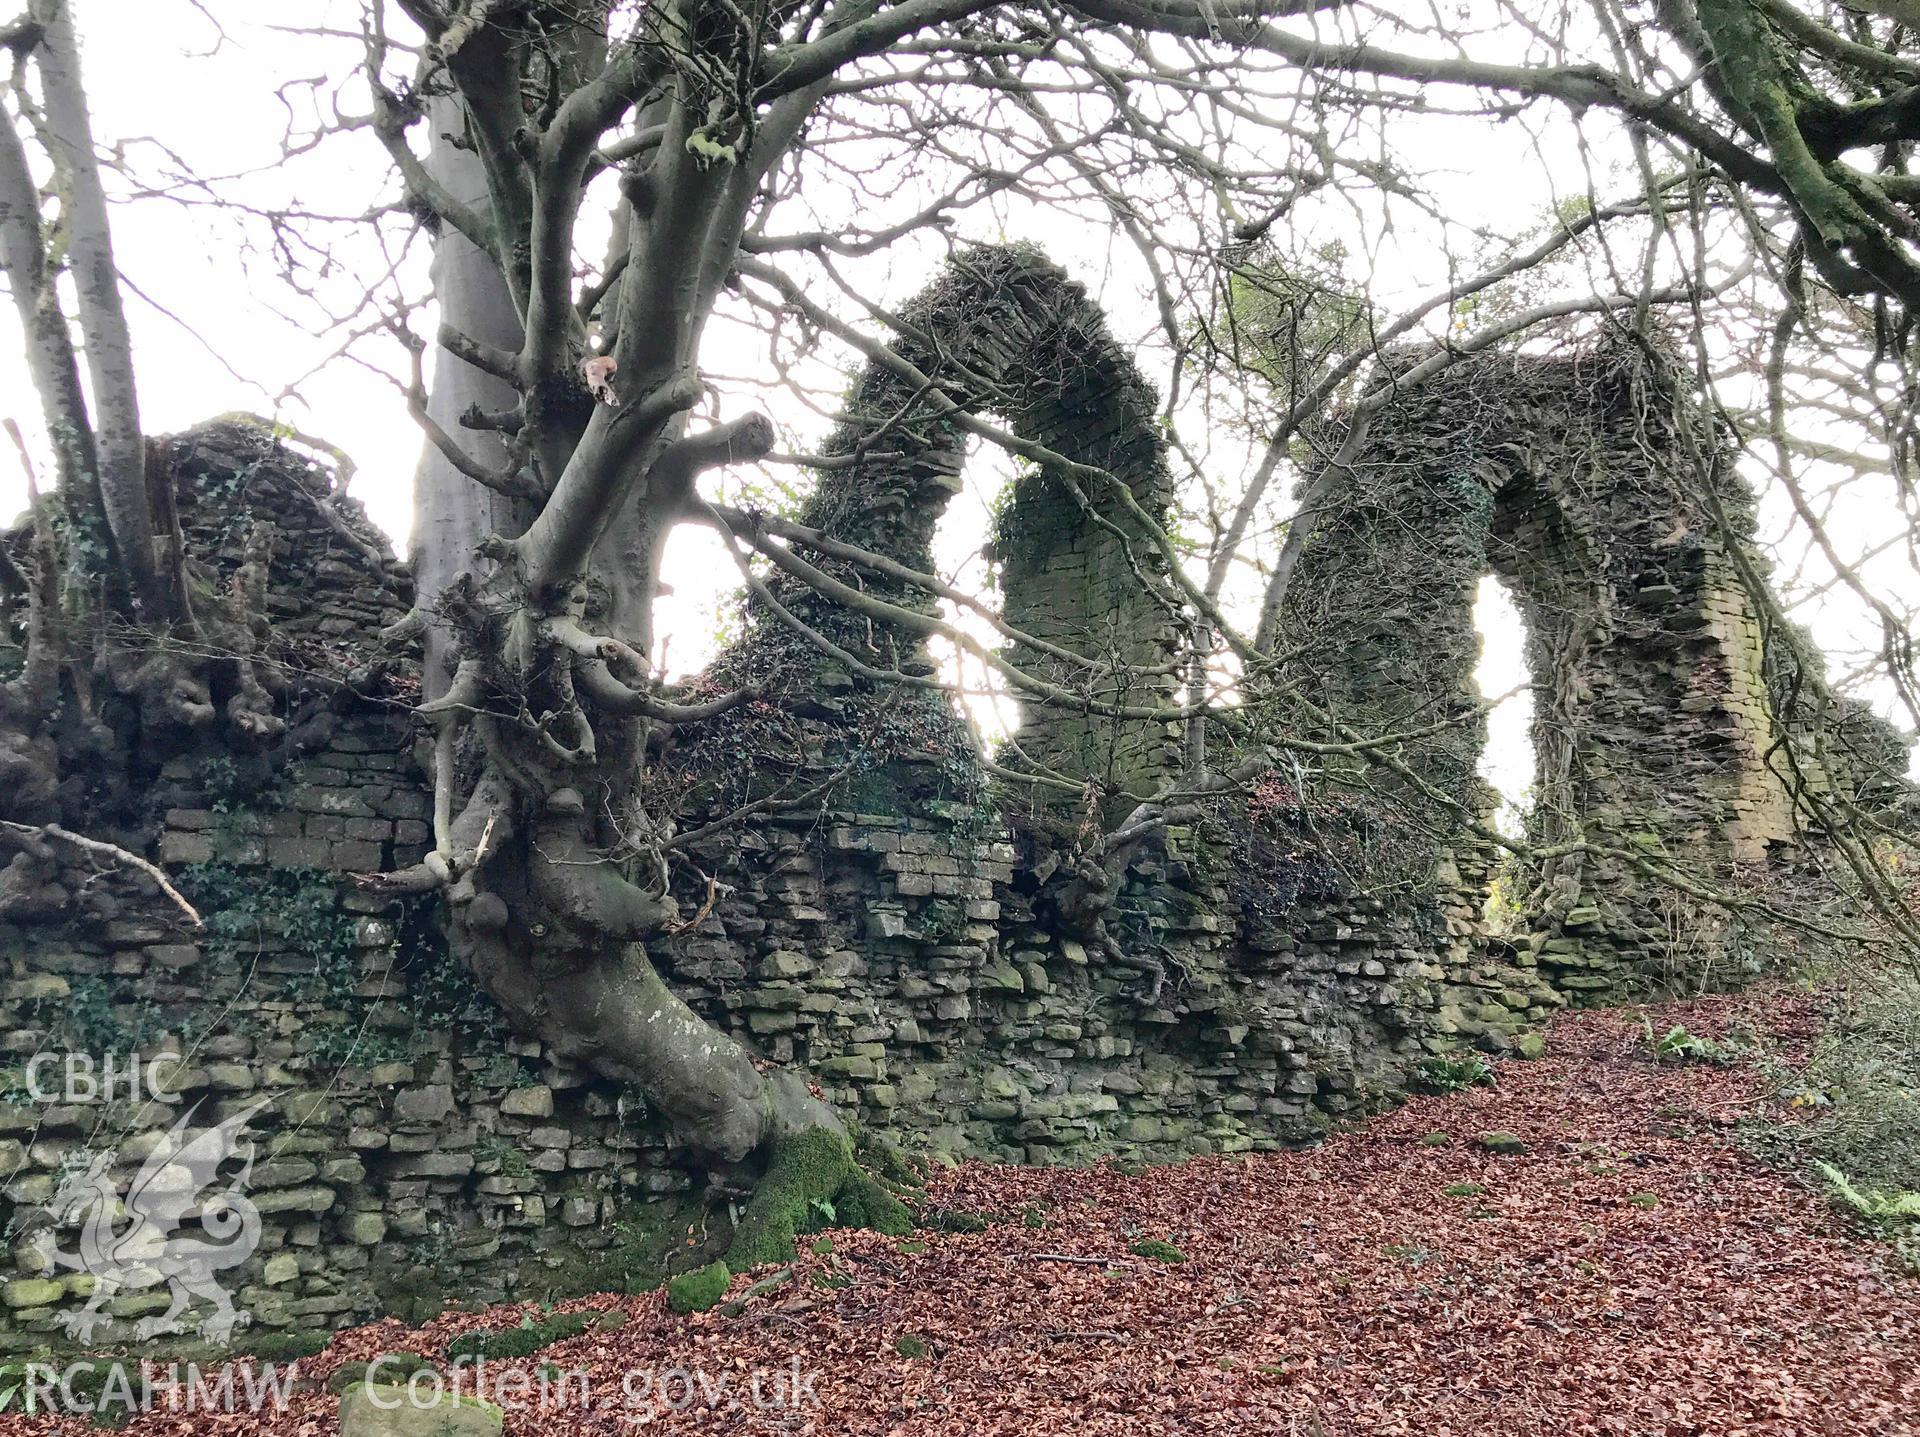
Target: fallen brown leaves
(1629, 1273)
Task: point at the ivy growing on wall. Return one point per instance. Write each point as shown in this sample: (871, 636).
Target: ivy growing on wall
(251, 911)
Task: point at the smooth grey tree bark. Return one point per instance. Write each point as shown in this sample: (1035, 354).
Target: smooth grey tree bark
(452, 513)
(119, 449)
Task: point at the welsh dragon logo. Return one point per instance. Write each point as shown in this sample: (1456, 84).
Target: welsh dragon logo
(168, 1229)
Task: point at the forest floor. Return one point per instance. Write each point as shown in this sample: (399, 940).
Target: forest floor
(1632, 1270)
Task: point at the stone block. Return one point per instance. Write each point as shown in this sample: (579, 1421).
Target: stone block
(785, 963)
(1001, 976)
(431, 1165)
(284, 1172)
(427, 1104)
(354, 855)
(222, 1077)
(178, 849)
(535, 1101)
(297, 852)
(32, 1292)
(301, 1199)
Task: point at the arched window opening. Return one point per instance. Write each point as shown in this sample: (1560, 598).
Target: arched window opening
(963, 557)
(1507, 762)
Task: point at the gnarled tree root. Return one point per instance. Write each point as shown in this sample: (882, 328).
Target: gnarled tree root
(812, 1179)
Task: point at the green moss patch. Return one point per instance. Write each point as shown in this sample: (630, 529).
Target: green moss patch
(1156, 1251)
(285, 1346)
(700, 1289)
(863, 1202)
(812, 1180)
(805, 1176)
(523, 1341)
(410, 1292)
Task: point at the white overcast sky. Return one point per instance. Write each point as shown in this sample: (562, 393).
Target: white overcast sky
(214, 329)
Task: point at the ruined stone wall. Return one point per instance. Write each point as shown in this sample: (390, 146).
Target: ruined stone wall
(406, 1148)
(1609, 510)
(883, 937)
(410, 1150)
(887, 922)
(1008, 336)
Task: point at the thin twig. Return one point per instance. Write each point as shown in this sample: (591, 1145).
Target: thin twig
(116, 853)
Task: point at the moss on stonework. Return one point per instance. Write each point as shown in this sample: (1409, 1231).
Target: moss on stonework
(412, 1293)
(284, 1346)
(650, 1240)
(700, 1289)
(894, 1170)
(525, 1340)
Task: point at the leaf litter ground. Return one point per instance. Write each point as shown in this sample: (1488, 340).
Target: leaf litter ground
(1629, 1272)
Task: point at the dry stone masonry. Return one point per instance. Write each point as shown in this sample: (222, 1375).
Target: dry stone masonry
(1005, 332)
(1591, 486)
(890, 919)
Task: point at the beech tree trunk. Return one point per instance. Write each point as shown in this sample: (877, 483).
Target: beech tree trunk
(537, 657)
(451, 513)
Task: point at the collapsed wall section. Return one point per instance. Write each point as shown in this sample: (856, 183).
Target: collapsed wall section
(1007, 335)
(1593, 488)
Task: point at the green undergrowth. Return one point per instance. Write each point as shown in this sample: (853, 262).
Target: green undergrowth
(1680, 1045)
(1451, 1073)
(1855, 1100)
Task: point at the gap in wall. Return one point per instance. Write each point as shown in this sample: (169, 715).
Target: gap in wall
(1507, 762)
